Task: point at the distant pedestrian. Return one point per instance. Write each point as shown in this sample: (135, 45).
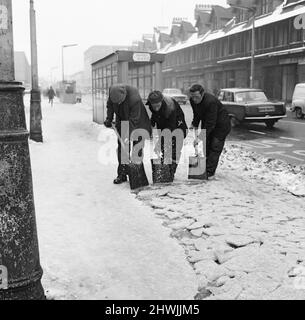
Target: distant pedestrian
(167, 114)
(214, 118)
(126, 104)
(51, 94)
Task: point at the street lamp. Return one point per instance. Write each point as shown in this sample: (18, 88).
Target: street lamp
(251, 7)
(62, 58)
(35, 108)
(20, 270)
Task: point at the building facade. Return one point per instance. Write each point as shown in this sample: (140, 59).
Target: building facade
(142, 70)
(93, 54)
(221, 57)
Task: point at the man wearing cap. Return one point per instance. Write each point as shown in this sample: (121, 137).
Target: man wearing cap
(167, 114)
(215, 119)
(127, 105)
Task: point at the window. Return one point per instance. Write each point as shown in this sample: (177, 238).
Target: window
(295, 35)
(251, 96)
(228, 96)
(231, 45)
(283, 33)
(265, 7)
(221, 95)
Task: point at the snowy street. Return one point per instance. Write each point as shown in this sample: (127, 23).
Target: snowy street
(96, 240)
(241, 236)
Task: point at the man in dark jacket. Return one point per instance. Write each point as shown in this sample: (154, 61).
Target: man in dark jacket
(167, 114)
(214, 118)
(126, 103)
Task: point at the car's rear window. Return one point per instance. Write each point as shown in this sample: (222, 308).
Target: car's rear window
(250, 96)
(172, 91)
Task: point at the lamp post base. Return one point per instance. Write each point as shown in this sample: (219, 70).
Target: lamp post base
(34, 291)
(19, 252)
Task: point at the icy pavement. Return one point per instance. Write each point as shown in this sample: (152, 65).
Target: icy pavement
(96, 240)
(241, 236)
(244, 233)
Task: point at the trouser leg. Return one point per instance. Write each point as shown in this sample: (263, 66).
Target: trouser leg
(172, 157)
(214, 150)
(122, 167)
(177, 148)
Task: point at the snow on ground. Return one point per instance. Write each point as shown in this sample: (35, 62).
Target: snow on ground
(241, 236)
(243, 233)
(96, 240)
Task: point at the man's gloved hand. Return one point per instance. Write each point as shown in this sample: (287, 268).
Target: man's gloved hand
(108, 124)
(196, 142)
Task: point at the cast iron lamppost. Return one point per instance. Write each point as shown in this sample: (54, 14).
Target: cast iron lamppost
(62, 58)
(20, 270)
(251, 8)
(35, 109)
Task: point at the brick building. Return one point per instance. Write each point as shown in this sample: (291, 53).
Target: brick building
(218, 55)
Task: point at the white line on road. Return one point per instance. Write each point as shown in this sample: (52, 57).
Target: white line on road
(292, 139)
(295, 122)
(258, 132)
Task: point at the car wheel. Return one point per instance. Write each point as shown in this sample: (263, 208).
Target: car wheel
(234, 122)
(299, 113)
(270, 124)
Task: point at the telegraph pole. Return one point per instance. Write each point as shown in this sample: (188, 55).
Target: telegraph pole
(35, 109)
(20, 277)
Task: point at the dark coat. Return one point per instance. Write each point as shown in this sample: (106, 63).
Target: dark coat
(51, 94)
(170, 116)
(213, 117)
(132, 110)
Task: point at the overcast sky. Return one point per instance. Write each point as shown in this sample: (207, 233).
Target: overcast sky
(91, 22)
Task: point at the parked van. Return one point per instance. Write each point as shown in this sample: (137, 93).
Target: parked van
(298, 101)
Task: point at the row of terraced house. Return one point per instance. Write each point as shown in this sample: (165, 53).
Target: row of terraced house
(216, 51)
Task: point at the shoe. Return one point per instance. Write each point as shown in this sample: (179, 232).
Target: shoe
(211, 176)
(120, 180)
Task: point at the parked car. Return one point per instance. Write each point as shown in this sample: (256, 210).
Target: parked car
(298, 101)
(176, 94)
(251, 105)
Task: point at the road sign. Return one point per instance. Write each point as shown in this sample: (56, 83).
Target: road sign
(141, 57)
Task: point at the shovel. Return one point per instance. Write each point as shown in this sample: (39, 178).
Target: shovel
(136, 172)
(161, 172)
(197, 166)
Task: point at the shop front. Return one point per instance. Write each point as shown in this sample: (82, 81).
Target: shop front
(142, 70)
